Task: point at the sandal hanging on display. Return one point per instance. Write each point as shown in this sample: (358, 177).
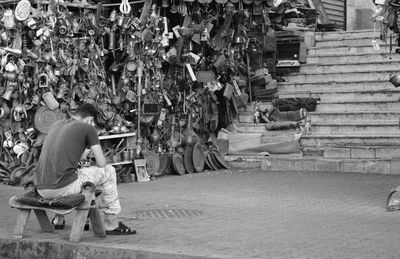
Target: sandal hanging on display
(122, 229)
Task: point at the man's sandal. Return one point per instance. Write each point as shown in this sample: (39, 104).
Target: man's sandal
(122, 229)
(62, 226)
(86, 228)
(58, 226)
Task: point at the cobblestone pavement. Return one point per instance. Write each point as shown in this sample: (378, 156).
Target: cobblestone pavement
(249, 214)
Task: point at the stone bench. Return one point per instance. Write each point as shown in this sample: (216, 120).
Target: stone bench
(87, 207)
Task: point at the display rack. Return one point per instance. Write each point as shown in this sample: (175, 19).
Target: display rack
(122, 135)
(121, 163)
(129, 144)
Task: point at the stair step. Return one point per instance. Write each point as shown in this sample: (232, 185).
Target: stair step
(329, 131)
(351, 58)
(348, 139)
(247, 161)
(315, 164)
(355, 127)
(346, 49)
(351, 116)
(330, 116)
(361, 127)
(387, 94)
(346, 34)
(348, 152)
(325, 106)
(331, 86)
(341, 77)
(318, 140)
(347, 42)
(380, 166)
(389, 65)
(331, 127)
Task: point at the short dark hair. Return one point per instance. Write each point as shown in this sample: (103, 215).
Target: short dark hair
(86, 110)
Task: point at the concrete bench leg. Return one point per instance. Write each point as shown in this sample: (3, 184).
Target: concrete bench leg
(97, 224)
(22, 220)
(78, 225)
(81, 215)
(44, 221)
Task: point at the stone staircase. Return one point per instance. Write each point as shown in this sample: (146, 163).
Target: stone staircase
(355, 127)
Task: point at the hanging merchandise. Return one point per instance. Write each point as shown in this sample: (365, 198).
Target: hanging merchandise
(387, 17)
(170, 73)
(55, 56)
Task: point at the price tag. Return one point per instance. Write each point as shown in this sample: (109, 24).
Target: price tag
(209, 27)
(130, 96)
(205, 35)
(236, 87)
(43, 80)
(161, 119)
(167, 99)
(176, 31)
(191, 73)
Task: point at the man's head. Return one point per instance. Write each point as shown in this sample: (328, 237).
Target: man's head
(86, 113)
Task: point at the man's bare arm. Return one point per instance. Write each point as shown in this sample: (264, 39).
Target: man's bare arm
(98, 155)
(85, 154)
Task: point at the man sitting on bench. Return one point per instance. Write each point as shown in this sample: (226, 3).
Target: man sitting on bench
(57, 171)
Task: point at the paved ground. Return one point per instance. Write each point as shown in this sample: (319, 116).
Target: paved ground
(248, 214)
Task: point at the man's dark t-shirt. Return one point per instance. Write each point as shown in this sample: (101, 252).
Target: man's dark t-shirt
(61, 152)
